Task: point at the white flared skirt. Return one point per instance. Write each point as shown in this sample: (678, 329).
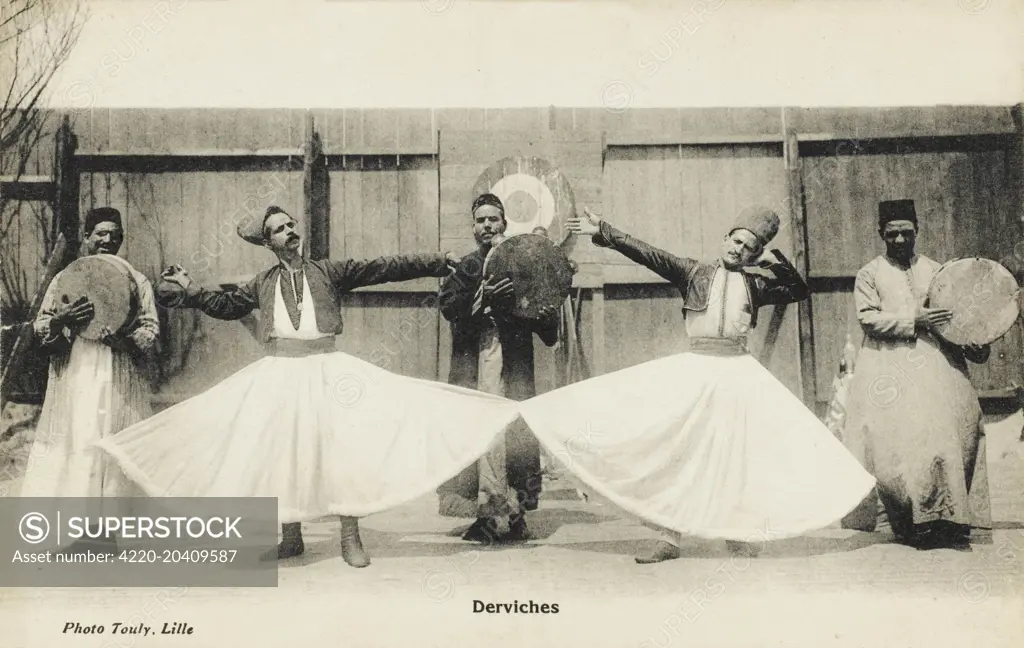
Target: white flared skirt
(325, 434)
(704, 445)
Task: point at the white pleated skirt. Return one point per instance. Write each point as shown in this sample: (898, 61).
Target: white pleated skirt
(326, 434)
(704, 445)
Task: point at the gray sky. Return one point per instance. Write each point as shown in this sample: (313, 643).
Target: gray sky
(435, 53)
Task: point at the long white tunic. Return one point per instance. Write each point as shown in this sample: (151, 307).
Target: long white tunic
(283, 328)
(702, 444)
(728, 312)
(93, 392)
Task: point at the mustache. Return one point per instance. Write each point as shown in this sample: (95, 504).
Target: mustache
(293, 237)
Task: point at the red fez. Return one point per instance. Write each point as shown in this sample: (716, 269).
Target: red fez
(101, 215)
(762, 222)
(896, 210)
(250, 228)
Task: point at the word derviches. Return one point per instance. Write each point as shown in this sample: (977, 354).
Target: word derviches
(515, 607)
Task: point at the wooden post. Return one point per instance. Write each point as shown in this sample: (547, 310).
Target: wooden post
(442, 323)
(798, 221)
(1017, 178)
(66, 219)
(597, 297)
(315, 196)
(1017, 174)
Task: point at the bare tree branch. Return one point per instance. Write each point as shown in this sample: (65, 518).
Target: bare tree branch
(36, 39)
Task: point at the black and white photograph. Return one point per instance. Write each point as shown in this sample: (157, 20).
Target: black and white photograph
(624, 323)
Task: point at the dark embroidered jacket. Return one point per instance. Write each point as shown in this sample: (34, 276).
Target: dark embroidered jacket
(516, 336)
(693, 278)
(459, 496)
(328, 281)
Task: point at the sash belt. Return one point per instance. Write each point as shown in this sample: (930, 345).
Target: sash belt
(719, 346)
(289, 348)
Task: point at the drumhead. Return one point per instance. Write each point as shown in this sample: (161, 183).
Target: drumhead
(983, 296)
(107, 283)
(540, 272)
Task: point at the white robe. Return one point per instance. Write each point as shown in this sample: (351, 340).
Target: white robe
(326, 434)
(707, 445)
(93, 392)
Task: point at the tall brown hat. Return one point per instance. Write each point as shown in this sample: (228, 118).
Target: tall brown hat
(894, 210)
(762, 222)
(250, 228)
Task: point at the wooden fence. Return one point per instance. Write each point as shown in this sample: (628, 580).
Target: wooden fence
(374, 182)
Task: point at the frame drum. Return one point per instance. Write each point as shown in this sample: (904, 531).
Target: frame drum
(107, 283)
(983, 297)
(541, 274)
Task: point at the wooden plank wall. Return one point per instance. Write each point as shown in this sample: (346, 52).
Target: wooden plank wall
(188, 132)
(387, 205)
(23, 241)
(963, 193)
(189, 218)
(195, 168)
(183, 179)
(684, 199)
(23, 248)
(465, 155)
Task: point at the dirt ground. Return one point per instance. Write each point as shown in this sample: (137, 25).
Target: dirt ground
(831, 588)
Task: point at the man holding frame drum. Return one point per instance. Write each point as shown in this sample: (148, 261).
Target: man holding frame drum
(98, 321)
(914, 420)
(492, 351)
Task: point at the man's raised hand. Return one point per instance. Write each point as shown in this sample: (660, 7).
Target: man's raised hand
(177, 274)
(588, 225)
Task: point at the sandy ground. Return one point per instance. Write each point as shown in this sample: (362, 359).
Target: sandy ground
(832, 588)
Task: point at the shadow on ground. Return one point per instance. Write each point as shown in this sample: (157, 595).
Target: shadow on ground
(696, 548)
(544, 524)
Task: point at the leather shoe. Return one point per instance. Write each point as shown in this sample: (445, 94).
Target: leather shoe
(484, 531)
(351, 544)
(518, 531)
(291, 544)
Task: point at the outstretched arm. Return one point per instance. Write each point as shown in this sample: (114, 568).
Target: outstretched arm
(351, 274)
(665, 264)
(548, 333)
(227, 304)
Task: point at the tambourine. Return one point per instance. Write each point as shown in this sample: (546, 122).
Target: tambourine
(983, 297)
(106, 281)
(540, 272)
